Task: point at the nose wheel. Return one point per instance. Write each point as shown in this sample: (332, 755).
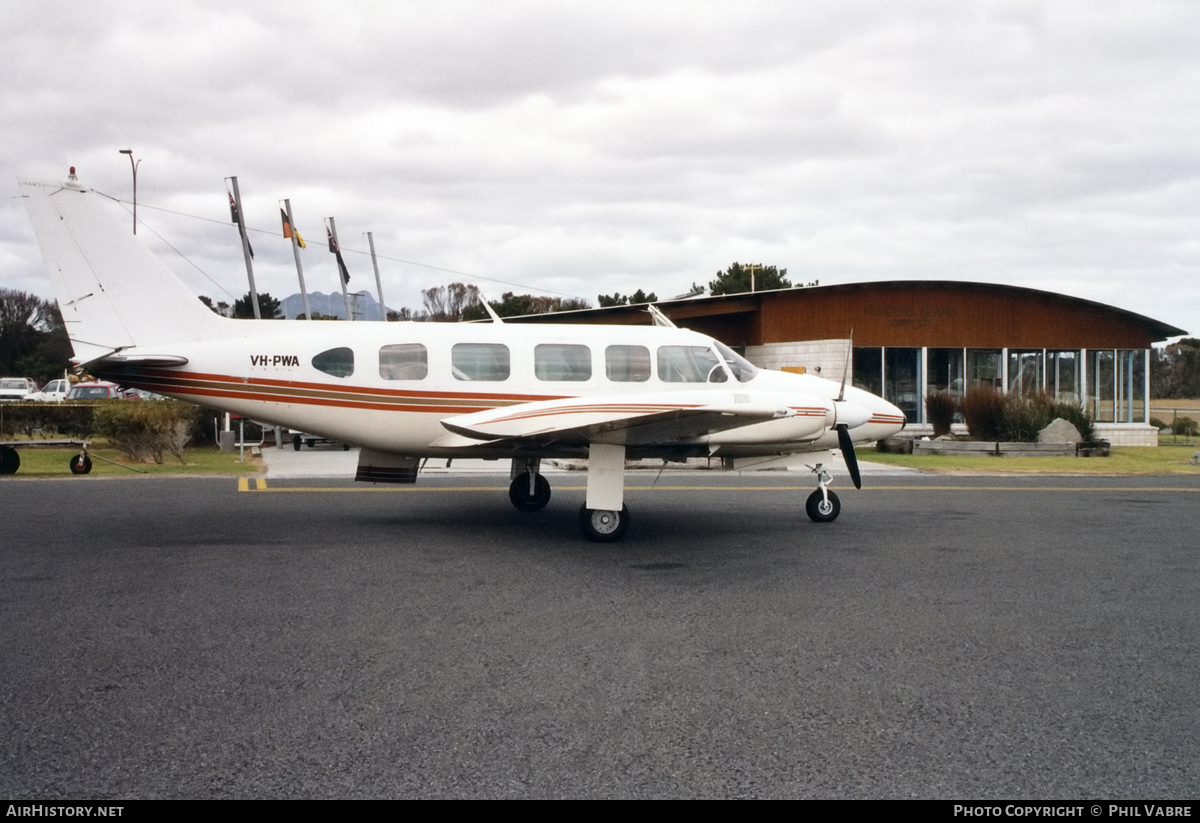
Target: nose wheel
(823, 506)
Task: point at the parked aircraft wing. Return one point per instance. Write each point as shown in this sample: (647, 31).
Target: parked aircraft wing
(630, 420)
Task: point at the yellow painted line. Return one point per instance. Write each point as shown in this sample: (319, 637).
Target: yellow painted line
(261, 486)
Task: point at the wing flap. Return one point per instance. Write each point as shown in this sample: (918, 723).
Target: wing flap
(631, 420)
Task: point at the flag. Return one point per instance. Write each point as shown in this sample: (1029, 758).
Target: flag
(233, 213)
(333, 247)
(287, 230)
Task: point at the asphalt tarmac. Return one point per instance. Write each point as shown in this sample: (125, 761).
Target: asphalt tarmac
(973, 638)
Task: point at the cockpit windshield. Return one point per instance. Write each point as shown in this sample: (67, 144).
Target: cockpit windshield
(742, 368)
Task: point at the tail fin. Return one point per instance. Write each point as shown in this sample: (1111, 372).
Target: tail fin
(114, 294)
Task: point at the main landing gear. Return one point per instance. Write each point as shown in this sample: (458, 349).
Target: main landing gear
(601, 526)
(529, 491)
(604, 518)
(822, 505)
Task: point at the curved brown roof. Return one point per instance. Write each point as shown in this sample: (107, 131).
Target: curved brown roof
(944, 313)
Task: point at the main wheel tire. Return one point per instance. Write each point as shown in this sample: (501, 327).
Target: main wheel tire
(296, 442)
(81, 464)
(603, 526)
(10, 461)
(518, 493)
(820, 511)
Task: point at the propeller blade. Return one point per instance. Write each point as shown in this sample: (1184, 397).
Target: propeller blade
(847, 446)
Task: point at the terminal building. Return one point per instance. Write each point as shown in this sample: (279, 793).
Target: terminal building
(911, 338)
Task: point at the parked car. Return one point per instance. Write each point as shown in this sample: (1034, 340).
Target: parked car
(53, 392)
(99, 390)
(15, 388)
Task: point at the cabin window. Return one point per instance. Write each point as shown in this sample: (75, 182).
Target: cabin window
(404, 361)
(562, 362)
(742, 368)
(338, 362)
(627, 364)
(480, 361)
(689, 364)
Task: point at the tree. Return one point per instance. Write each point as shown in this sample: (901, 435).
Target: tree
(405, 313)
(33, 340)
(268, 307)
(222, 308)
(736, 279)
(515, 305)
(1175, 370)
(618, 299)
(446, 303)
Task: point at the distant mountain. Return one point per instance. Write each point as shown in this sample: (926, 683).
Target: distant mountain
(365, 306)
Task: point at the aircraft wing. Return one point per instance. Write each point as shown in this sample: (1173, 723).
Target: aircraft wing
(628, 420)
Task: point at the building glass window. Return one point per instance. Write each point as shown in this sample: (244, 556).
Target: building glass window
(1117, 385)
(945, 371)
(983, 369)
(902, 380)
(627, 364)
(404, 361)
(480, 361)
(868, 369)
(562, 362)
(338, 362)
(1025, 371)
(1062, 376)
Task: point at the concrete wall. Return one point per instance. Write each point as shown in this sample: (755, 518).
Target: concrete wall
(1127, 434)
(824, 358)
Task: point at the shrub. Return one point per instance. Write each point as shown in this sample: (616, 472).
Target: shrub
(1025, 416)
(940, 406)
(144, 430)
(983, 411)
(1019, 417)
(1186, 426)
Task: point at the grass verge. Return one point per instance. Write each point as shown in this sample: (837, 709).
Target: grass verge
(1124, 460)
(52, 462)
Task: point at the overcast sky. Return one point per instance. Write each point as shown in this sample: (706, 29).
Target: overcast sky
(573, 149)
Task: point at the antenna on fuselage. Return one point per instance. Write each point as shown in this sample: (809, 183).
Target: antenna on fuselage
(660, 319)
(491, 311)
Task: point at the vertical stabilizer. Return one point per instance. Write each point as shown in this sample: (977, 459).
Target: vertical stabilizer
(114, 294)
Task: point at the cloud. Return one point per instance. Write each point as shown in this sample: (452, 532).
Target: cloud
(587, 149)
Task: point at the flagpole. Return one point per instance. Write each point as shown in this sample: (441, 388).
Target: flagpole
(287, 205)
(341, 277)
(237, 203)
(378, 282)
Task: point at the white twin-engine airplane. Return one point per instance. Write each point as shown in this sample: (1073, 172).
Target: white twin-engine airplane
(405, 392)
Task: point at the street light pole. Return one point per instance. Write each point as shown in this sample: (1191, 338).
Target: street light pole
(135, 168)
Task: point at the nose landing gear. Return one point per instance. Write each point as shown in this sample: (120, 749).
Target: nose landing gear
(822, 505)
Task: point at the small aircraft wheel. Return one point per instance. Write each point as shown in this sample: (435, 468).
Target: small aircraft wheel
(81, 464)
(601, 526)
(345, 447)
(819, 510)
(10, 461)
(518, 493)
(312, 443)
(296, 442)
